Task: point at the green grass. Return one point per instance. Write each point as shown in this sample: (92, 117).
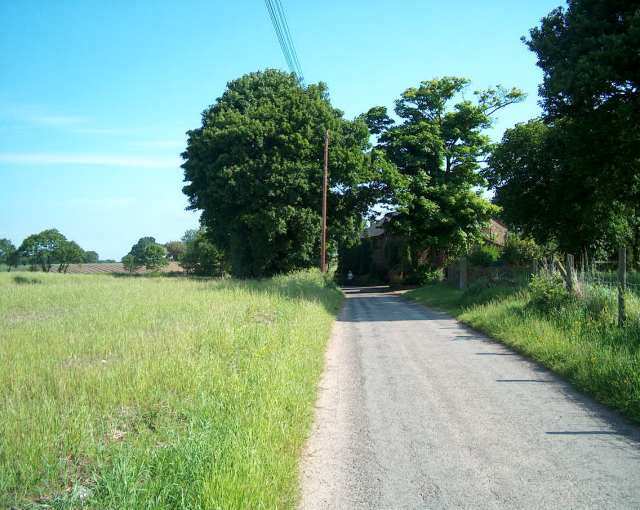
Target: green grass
(157, 392)
(579, 341)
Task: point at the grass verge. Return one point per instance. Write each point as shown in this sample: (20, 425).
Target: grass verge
(157, 392)
(579, 341)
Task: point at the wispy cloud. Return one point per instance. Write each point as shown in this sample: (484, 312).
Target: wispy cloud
(89, 130)
(160, 144)
(15, 158)
(57, 120)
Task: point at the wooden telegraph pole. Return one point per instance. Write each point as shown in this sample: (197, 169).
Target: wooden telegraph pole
(325, 183)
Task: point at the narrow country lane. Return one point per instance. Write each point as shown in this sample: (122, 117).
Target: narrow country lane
(417, 411)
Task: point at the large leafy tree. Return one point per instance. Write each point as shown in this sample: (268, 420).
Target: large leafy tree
(590, 56)
(44, 249)
(438, 146)
(254, 169)
(543, 193)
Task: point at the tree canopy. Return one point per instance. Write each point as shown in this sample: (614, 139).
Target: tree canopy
(437, 146)
(7, 250)
(50, 247)
(146, 252)
(200, 256)
(254, 169)
(574, 175)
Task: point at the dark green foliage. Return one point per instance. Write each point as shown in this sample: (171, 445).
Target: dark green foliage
(137, 250)
(129, 263)
(519, 251)
(484, 255)
(254, 169)
(357, 259)
(200, 256)
(7, 249)
(91, 257)
(154, 256)
(437, 147)
(544, 192)
(576, 178)
(70, 253)
(146, 252)
(47, 248)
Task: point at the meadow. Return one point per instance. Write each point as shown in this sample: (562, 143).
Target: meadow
(137, 392)
(576, 338)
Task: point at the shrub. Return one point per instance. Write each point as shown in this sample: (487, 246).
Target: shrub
(484, 255)
(520, 252)
(548, 292)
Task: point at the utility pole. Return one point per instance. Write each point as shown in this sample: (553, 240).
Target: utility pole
(325, 183)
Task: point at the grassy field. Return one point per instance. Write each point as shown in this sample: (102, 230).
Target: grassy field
(120, 392)
(579, 341)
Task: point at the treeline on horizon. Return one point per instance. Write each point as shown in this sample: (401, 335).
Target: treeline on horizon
(50, 248)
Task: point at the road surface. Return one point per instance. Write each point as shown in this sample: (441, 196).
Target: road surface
(417, 411)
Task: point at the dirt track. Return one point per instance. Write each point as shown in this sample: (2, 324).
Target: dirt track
(417, 411)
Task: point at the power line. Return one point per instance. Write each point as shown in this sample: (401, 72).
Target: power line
(279, 35)
(281, 28)
(287, 33)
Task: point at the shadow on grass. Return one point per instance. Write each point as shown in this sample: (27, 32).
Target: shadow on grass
(298, 286)
(26, 280)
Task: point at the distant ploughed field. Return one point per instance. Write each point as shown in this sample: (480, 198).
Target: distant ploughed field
(114, 267)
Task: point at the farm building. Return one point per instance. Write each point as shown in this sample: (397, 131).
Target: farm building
(383, 242)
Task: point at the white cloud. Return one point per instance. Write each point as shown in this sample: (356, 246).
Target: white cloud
(57, 120)
(16, 158)
(160, 144)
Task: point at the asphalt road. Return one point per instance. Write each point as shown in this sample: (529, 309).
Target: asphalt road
(417, 411)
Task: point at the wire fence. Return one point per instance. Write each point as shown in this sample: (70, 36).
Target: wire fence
(601, 279)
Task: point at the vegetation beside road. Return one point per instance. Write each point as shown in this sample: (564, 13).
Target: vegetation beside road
(576, 338)
(157, 392)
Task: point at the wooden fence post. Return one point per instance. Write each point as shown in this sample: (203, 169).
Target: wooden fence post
(569, 272)
(462, 284)
(622, 284)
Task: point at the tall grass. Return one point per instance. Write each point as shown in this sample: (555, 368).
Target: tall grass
(577, 339)
(157, 392)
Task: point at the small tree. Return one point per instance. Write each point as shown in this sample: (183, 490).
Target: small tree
(7, 249)
(91, 257)
(129, 263)
(175, 250)
(155, 257)
(201, 256)
(137, 250)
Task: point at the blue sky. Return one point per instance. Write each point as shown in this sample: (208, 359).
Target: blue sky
(95, 97)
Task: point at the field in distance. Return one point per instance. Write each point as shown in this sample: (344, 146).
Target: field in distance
(157, 392)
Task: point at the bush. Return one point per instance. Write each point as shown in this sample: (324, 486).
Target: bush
(485, 255)
(548, 292)
(520, 252)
